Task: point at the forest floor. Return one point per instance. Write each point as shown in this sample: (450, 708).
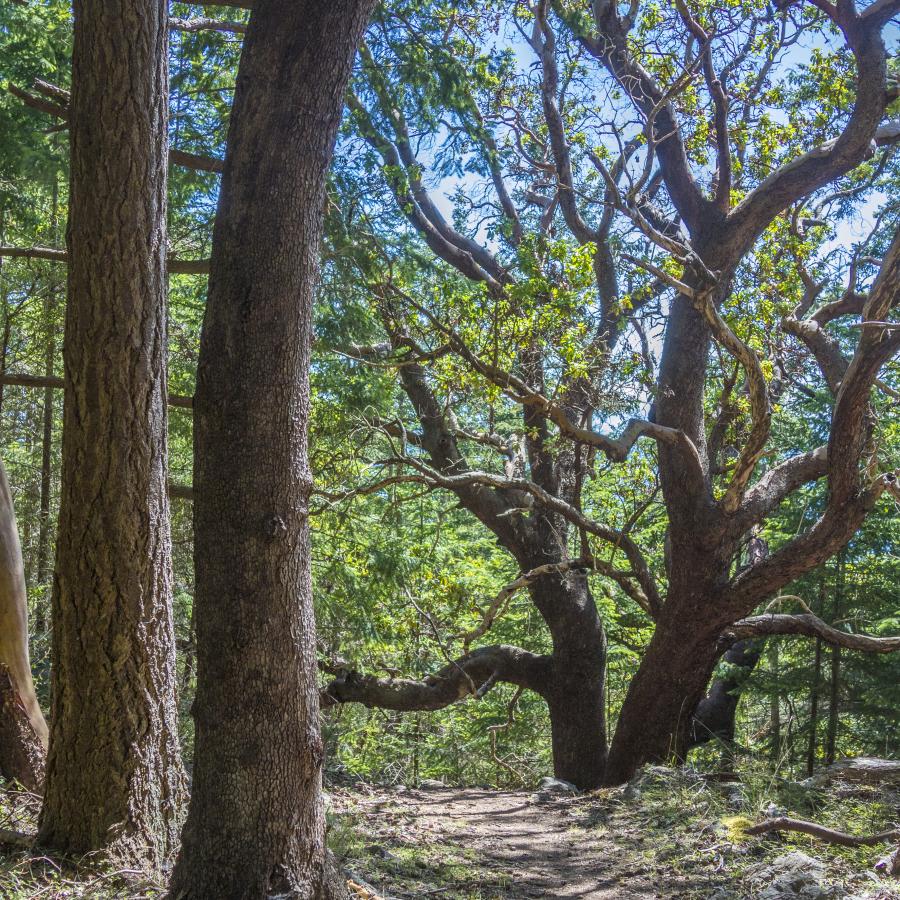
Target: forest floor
(669, 834)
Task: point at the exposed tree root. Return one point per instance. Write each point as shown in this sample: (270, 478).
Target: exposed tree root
(890, 865)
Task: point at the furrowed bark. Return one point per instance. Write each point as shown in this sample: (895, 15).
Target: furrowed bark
(256, 821)
(114, 777)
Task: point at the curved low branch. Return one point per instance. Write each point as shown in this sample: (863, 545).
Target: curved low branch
(471, 675)
(809, 625)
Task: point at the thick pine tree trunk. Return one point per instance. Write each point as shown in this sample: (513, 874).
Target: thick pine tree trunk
(576, 692)
(256, 823)
(114, 778)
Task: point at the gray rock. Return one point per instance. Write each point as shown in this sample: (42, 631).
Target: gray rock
(773, 811)
(431, 783)
(734, 795)
(557, 786)
(793, 876)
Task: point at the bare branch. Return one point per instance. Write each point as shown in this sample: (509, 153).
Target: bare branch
(434, 237)
(55, 103)
(196, 161)
(778, 483)
(812, 170)
(543, 43)
(499, 603)
(194, 25)
(809, 625)
(610, 47)
(616, 449)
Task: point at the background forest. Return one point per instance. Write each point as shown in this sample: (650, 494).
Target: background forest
(401, 569)
(604, 380)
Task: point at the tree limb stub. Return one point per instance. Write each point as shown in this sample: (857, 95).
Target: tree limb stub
(55, 100)
(52, 381)
(51, 254)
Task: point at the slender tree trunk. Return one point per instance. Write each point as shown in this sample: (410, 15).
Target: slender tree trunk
(23, 731)
(43, 551)
(114, 778)
(814, 691)
(716, 713)
(834, 701)
(775, 701)
(256, 824)
(4, 345)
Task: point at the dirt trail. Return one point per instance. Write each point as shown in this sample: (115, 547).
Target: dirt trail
(488, 845)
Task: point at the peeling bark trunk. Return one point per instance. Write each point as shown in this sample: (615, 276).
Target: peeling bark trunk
(256, 822)
(23, 731)
(114, 777)
(22, 754)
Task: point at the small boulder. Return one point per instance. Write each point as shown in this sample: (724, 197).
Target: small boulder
(557, 786)
(431, 784)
